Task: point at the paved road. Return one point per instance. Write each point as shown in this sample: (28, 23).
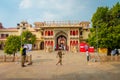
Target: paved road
(74, 67)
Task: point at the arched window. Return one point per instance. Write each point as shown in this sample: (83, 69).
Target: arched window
(51, 33)
(2, 35)
(76, 43)
(48, 42)
(71, 33)
(76, 32)
(73, 42)
(45, 42)
(51, 43)
(70, 42)
(48, 33)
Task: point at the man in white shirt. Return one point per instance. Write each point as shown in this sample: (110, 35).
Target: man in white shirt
(87, 55)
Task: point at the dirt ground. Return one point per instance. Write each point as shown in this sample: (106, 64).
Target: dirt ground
(75, 67)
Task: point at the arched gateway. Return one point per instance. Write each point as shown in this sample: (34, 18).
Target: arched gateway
(61, 40)
(66, 34)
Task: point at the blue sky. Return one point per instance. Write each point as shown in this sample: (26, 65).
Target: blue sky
(15, 11)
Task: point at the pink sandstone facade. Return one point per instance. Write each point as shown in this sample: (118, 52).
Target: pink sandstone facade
(51, 35)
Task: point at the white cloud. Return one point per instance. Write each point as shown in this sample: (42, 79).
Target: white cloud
(47, 16)
(56, 7)
(53, 9)
(62, 5)
(25, 4)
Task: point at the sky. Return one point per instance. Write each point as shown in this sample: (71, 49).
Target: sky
(15, 11)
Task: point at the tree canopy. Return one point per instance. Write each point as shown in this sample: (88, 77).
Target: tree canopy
(28, 38)
(12, 45)
(105, 29)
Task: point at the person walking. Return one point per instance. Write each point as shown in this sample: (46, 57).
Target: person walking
(87, 55)
(59, 54)
(87, 52)
(23, 55)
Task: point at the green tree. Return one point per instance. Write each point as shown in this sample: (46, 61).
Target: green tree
(28, 38)
(12, 45)
(105, 29)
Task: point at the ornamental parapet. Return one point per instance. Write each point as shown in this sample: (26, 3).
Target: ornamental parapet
(46, 24)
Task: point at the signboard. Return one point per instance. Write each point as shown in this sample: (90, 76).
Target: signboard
(28, 46)
(103, 50)
(82, 47)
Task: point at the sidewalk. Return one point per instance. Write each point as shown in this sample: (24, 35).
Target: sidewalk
(74, 67)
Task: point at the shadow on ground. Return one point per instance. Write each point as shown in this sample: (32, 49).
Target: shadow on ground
(79, 76)
(42, 60)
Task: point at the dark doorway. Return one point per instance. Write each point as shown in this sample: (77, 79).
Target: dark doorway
(0, 46)
(61, 42)
(42, 46)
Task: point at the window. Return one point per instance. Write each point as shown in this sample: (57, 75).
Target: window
(76, 32)
(81, 33)
(45, 42)
(70, 32)
(76, 42)
(6, 35)
(51, 33)
(2, 35)
(48, 33)
(42, 33)
(48, 42)
(73, 33)
(73, 42)
(52, 43)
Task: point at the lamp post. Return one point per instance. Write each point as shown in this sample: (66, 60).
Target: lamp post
(20, 27)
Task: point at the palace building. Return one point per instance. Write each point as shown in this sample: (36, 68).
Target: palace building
(51, 34)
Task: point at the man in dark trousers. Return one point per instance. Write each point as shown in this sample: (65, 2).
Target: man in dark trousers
(59, 54)
(87, 52)
(23, 56)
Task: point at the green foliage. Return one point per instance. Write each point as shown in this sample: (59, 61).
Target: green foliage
(99, 16)
(12, 45)
(105, 29)
(28, 38)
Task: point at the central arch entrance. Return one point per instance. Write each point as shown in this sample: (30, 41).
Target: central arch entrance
(61, 41)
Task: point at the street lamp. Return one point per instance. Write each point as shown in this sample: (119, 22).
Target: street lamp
(20, 27)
